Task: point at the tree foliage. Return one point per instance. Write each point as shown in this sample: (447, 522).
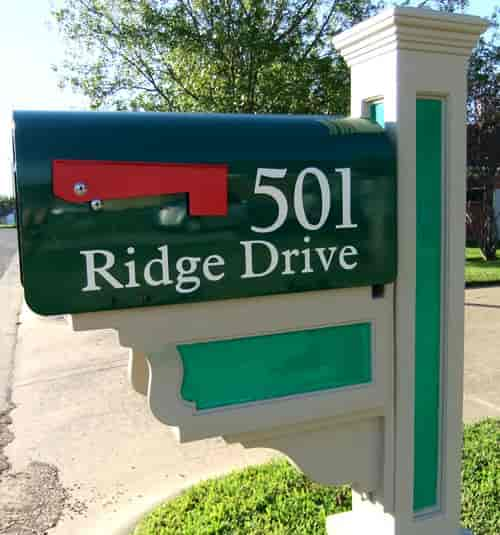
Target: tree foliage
(209, 55)
(213, 55)
(484, 77)
(483, 105)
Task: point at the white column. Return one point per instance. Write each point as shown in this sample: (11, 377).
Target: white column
(397, 57)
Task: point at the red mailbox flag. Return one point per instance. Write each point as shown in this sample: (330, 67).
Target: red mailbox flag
(205, 184)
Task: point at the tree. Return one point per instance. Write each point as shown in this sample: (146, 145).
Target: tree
(212, 55)
(209, 55)
(483, 106)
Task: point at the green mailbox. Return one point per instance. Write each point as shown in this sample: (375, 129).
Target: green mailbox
(120, 210)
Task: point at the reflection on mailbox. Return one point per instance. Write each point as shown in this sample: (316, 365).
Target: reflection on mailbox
(118, 210)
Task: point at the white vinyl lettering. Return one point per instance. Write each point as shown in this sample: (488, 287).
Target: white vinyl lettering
(210, 262)
(132, 280)
(301, 200)
(186, 266)
(164, 266)
(346, 198)
(312, 204)
(298, 198)
(249, 268)
(261, 259)
(275, 194)
(348, 250)
(326, 262)
(287, 254)
(307, 257)
(92, 270)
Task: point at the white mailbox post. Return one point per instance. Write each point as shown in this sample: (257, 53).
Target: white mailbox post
(411, 64)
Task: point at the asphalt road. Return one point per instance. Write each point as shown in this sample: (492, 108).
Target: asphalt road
(8, 246)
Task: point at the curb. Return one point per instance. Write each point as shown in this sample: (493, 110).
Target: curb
(485, 284)
(128, 526)
(11, 296)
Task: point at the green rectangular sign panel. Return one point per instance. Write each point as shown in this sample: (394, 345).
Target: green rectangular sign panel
(121, 210)
(229, 372)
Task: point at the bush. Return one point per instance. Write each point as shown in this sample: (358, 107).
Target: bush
(275, 499)
(272, 499)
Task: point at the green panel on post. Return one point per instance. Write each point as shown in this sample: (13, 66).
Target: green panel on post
(428, 301)
(244, 370)
(377, 113)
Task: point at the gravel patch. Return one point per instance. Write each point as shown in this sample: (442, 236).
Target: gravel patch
(32, 501)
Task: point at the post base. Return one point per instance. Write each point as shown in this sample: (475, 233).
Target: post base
(352, 523)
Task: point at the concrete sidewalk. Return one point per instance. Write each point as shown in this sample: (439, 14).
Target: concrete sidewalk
(482, 353)
(76, 414)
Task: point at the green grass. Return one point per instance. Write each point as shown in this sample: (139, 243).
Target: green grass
(481, 478)
(477, 270)
(2, 225)
(275, 499)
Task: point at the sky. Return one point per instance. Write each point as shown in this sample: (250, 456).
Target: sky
(29, 45)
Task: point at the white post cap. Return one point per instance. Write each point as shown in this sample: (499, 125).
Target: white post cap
(407, 28)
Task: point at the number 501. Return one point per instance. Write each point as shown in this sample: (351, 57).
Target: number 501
(298, 198)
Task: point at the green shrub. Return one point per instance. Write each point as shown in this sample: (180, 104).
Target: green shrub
(275, 499)
(272, 499)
